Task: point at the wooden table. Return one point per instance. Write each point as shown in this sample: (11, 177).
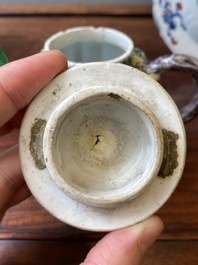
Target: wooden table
(29, 234)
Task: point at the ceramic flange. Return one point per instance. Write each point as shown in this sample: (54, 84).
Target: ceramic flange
(102, 146)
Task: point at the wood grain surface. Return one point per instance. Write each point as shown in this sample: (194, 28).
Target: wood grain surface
(75, 9)
(29, 234)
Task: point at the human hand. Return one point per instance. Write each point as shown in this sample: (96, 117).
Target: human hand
(126, 246)
(20, 82)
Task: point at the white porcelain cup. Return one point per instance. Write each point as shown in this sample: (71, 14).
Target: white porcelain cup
(102, 146)
(91, 44)
(101, 44)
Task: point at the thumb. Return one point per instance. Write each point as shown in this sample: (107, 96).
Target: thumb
(125, 246)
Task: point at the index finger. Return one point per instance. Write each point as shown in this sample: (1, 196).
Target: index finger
(21, 80)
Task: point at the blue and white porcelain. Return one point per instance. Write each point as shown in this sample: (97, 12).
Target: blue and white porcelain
(177, 21)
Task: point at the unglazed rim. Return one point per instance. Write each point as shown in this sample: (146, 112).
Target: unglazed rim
(112, 199)
(47, 192)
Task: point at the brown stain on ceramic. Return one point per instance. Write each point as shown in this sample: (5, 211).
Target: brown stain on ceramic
(36, 143)
(169, 162)
(115, 96)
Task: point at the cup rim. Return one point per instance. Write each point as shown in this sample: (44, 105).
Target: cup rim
(101, 30)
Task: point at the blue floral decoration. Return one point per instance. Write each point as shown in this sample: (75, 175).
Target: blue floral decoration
(169, 14)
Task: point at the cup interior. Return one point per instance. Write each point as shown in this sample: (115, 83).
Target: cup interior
(89, 44)
(103, 149)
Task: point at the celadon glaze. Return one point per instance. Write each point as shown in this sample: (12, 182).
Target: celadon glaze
(102, 146)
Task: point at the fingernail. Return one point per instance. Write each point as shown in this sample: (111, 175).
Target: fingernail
(152, 230)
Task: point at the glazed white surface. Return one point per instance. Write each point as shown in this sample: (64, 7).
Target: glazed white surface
(101, 35)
